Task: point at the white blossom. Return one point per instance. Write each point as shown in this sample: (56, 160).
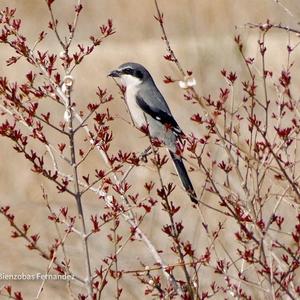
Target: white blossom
(187, 82)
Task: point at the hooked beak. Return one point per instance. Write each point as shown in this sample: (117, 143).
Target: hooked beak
(114, 73)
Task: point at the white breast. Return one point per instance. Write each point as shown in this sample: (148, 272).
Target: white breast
(137, 114)
(132, 84)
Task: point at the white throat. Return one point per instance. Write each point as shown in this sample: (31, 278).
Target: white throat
(130, 81)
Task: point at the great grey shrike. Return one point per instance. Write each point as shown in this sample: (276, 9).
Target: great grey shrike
(147, 106)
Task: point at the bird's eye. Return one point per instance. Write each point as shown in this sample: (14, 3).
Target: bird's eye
(127, 71)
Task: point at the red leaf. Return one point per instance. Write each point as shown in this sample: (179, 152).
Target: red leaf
(168, 79)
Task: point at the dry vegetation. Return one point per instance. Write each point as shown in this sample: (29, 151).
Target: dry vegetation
(242, 125)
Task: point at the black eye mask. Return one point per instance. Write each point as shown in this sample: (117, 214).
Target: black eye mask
(132, 72)
(128, 71)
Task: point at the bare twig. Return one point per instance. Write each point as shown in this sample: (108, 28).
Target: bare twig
(278, 26)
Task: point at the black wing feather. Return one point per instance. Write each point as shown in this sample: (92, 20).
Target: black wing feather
(159, 115)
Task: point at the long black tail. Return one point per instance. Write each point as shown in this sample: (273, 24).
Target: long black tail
(184, 177)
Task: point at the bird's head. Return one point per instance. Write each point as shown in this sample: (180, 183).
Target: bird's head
(131, 74)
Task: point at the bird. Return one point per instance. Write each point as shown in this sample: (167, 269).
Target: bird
(148, 107)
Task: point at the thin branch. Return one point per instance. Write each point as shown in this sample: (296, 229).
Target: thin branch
(74, 26)
(62, 241)
(169, 49)
(54, 25)
(278, 26)
(78, 194)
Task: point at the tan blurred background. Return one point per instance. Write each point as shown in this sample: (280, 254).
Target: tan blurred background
(201, 33)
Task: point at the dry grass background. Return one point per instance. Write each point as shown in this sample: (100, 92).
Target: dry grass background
(201, 33)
